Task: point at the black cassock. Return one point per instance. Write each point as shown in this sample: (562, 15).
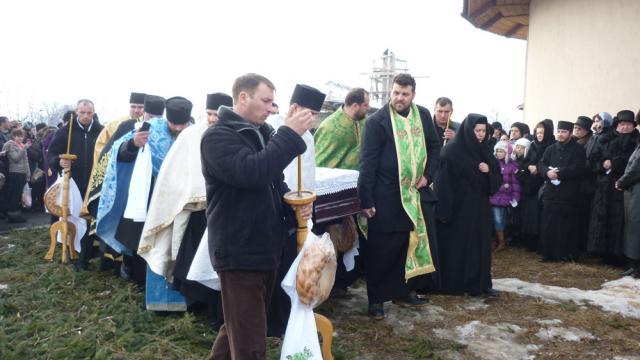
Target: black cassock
(199, 297)
(529, 203)
(559, 221)
(464, 213)
(378, 186)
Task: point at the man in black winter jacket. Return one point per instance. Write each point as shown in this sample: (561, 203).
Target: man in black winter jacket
(84, 132)
(242, 163)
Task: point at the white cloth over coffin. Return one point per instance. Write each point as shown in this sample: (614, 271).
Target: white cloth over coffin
(201, 269)
(301, 336)
(331, 181)
(140, 186)
(178, 191)
(308, 160)
(75, 205)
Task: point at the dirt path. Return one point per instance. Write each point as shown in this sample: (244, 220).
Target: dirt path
(511, 326)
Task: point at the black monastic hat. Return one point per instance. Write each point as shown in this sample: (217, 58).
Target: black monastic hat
(565, 125)
(154, 105)
(178, 110)
(308, 97)
(625, 115)
(584, 122)
(215, 100)
(136, 98)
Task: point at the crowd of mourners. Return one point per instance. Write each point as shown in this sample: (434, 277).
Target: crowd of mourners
(586, 212)
(437, 197)
(23, 166)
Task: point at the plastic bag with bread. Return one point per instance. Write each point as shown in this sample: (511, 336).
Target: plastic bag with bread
(316, 272)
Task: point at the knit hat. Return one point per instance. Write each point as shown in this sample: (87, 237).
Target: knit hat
(504, 146)
(523, 142)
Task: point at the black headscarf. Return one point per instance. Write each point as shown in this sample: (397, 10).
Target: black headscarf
(538, 147)
(524, 128)
(465, 150)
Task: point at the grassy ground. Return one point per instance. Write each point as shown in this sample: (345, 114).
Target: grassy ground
(49, 310)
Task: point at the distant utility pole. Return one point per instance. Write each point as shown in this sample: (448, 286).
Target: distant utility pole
(382, 74)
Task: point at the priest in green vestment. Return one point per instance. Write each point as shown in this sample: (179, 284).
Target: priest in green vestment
(337, 139)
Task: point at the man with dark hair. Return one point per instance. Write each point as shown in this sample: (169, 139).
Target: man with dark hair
(445, 127)
(176, 216)
(118, 223)
(153, 108)
(561, 166)
(337, 143)
(242, 162)
(338, 137)
(398, 161)
(84, 133)
(136, 111)
(582, 133)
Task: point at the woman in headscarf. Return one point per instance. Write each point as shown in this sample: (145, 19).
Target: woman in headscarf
(609, 160)
(601, 126)
(531, 182)
(468, 176)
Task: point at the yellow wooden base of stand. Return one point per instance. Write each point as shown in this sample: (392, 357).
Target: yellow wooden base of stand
(325, 328)
(324, 325)
(67, 230)
(68, 234)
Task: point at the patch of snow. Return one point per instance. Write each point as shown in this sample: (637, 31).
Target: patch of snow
(474, 304)
(490, 341)
(403, 320)
(626, 358)
(4, 286)
(549, 322)
(620, 296)
(567, 334)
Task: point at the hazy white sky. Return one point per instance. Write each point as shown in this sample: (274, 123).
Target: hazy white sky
(59, 51)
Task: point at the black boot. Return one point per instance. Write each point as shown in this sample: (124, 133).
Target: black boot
(376, 311)
(629, 272)
(411, 300)
(634, 269)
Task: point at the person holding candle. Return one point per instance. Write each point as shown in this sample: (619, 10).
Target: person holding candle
(242, 162)
(79, 136)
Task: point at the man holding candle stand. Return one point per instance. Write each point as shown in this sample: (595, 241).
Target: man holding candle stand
(85, 131)
(243, 159)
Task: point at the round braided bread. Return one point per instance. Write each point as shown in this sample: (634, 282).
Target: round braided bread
(316, 272)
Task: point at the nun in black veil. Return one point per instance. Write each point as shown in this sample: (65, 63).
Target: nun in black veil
(469, 175)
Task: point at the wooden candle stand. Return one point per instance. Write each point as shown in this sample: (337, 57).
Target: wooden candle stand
(66, 228)
(297, 199)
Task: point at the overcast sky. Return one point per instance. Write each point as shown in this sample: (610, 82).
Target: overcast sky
(60, 51)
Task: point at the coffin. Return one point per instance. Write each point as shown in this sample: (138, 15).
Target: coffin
(337, 191)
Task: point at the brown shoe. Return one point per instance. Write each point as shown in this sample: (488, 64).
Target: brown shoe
(502, 243)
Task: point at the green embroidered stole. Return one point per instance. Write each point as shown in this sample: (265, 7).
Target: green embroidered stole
(412, 160)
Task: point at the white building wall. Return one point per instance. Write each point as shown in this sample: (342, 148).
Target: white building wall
(583, 57)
